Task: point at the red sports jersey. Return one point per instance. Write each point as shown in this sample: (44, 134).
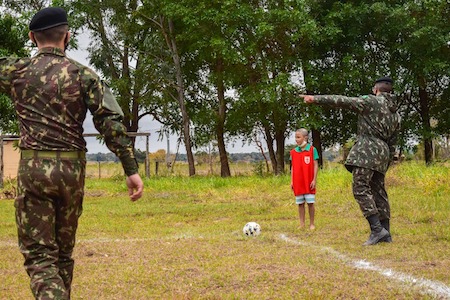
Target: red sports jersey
(302, 171)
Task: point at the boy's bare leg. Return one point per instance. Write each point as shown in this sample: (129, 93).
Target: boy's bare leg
(312, 210)
(301, 214)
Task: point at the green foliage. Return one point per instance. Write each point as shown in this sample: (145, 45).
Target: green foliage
(140, 155)
(260, 55)
(13, 36)
(102, 157)
(8, 119)
(258, 169)
(12, 40)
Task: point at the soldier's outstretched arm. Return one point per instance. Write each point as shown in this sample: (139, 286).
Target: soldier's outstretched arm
(307, 98)
(353, 103)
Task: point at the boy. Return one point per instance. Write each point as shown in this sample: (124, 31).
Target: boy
(304, 168)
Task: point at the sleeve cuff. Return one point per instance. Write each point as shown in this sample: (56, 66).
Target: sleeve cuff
(130, 165)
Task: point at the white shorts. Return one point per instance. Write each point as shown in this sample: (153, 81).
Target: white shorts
(309, 198)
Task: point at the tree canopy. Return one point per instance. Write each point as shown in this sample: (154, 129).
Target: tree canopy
(230, 71)
(13, 36)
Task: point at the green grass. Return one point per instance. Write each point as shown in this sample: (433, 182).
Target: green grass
(183, 240)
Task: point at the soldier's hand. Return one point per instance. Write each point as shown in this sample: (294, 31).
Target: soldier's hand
(135, 186)
(307, 98)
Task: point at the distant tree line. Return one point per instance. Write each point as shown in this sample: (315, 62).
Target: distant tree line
(200, 157)
(111, 157)
(140, 157)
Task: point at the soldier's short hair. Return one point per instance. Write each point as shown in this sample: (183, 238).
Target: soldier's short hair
(49, 25)
(384, 87)
(52, 35)
(384, 84)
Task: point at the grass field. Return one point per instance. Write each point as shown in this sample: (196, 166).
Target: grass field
(183, 240)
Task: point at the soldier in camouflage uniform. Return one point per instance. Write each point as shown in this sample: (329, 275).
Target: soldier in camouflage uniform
(369, 158)
(51, 94)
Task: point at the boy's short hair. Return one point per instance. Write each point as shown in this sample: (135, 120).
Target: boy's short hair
(302, 131)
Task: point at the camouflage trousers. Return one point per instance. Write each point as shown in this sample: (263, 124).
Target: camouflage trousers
(370, 193)
(48, 204)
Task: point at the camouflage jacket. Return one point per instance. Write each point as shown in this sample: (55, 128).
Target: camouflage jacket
(51, 94)
(378, 125)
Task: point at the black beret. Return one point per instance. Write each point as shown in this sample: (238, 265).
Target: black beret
(47, 18)
(384, 79)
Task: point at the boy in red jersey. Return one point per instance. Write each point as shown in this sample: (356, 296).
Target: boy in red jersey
(304, 168)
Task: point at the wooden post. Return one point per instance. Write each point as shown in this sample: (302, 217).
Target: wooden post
(1, 161)
(147, 162)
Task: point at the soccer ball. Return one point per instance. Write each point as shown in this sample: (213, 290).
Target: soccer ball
(252, 229)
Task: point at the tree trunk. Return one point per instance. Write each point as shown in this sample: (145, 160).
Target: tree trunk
(221, 115)
(317, 143)
(279, 139)
(269, 140)
(259, 144)
(135, 95)
(130, 119)
(181, 99)
(425, 115)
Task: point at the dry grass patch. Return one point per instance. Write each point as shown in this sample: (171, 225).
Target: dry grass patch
(225, 268)
(184, 240)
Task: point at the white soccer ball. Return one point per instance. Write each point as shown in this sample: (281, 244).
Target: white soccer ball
(252, 229)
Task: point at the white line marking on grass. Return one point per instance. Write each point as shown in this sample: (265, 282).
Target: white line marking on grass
(434, 288)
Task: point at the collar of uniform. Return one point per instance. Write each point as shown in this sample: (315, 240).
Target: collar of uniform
(51, 50)
(298, 149)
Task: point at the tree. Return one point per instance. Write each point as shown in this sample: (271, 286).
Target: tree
(161, 18)
(213, 35)
(269, 45)
(425, 56)
(339, 59)
(359, 41)
(13, 36)
(168, 31)
(116, 34)
(178, 61)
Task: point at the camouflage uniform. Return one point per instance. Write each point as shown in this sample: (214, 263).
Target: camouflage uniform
(369, 158)
(52, 94)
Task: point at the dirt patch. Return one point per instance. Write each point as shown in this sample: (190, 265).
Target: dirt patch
(94, 193)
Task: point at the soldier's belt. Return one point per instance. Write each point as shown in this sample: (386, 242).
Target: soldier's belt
(53, 154)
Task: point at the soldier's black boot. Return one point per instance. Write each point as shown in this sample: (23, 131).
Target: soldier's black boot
(377, 231)
(385, 224)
